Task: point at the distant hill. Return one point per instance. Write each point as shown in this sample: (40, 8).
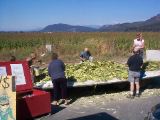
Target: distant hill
(67, 28)
(152, 24)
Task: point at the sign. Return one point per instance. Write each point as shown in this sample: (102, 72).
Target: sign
(49, 47)
(17, 71)
(3, 71)
(153, 55)
(22, 73)
(7, 98)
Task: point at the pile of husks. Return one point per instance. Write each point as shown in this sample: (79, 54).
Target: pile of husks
(99, 71)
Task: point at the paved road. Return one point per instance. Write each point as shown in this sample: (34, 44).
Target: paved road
(110, 105)
(126, 109)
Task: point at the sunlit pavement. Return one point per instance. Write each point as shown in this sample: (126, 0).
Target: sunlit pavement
(136, 109)
(107, 106)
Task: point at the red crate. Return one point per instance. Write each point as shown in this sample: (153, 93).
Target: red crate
(32, 106)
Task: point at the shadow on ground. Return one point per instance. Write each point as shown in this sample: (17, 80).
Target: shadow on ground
(56, 109)
(76, 93)
(98, 116)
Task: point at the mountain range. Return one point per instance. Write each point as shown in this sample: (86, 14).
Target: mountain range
(67, 28)
(152, 24)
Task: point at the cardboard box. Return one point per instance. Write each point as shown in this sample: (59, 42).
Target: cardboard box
(7, 98)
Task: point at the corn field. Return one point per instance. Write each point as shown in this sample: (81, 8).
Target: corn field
(69, 45)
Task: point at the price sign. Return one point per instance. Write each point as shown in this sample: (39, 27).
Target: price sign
(7, 98)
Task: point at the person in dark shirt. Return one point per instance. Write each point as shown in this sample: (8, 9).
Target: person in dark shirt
(85, 55)
(134, 63)
(56, 71)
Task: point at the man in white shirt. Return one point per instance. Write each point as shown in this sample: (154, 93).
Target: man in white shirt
(139, 44)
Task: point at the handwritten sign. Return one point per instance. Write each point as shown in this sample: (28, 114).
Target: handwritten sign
(3, 71)
(7, 98)
(18, 72)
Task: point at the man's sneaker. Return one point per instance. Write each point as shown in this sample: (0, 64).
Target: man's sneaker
(137, 95)
(55, 103)
(61, 101)
(130, 96)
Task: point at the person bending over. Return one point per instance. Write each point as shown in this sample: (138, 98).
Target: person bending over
(86, 55)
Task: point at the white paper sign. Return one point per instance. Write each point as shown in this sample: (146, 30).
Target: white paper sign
(17, 71)
(153, 55)
(49, 47)
(3, 71)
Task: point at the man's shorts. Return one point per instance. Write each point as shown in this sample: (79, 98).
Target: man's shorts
(133, 76)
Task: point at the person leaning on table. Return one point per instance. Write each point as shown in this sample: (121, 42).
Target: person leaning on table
(134, 63)
(56, 71)
(139, 44)
(86, 55)
(31, 61)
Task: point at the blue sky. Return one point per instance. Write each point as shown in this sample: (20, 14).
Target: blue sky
(32, 14)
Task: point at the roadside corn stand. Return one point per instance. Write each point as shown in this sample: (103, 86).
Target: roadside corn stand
(30, 102)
